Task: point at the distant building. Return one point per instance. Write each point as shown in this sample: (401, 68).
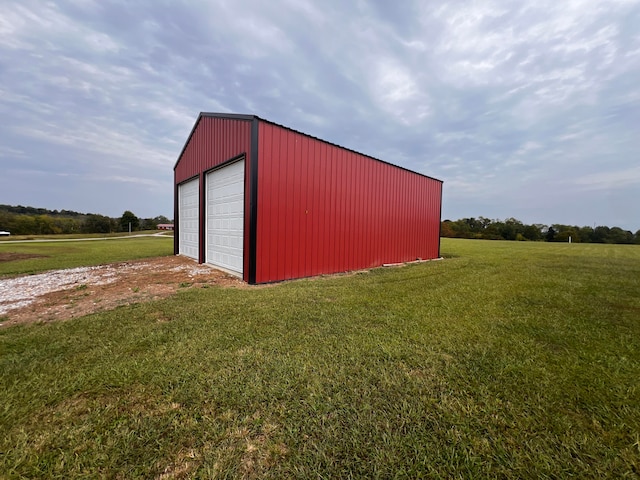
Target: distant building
(165, 226)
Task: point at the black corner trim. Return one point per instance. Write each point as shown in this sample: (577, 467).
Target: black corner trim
(253, 201)
(440, 223)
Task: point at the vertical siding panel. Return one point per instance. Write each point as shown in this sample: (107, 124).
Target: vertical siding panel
(304, 207)
(375, 237)
(330, 227)
(364, 221)
(315, 233)
(313, 213)
(378, 217)
(366, 246)
(415, 219)
(297, 206)
(294, 221)
(389, 224)
(406, 218)
(266, 204)
(271, 163)
(384, 215)
(318, 208)
(346, 208)
(393, 212)
(399, 214)
(331, 220)
(337, 208)
(340, 235)
(362, 174)
(357, 212)
(289, 222)
(350, 188)
(283, 239)
(410, 224)
(322, 201)
(381, 214)
(281, 215)
(281, 194)
(276, 220)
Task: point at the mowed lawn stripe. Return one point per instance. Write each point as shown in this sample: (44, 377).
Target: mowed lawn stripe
(511, 360)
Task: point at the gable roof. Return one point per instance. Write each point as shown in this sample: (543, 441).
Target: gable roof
(249, 118)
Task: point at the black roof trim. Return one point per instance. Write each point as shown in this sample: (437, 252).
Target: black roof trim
(248, 117)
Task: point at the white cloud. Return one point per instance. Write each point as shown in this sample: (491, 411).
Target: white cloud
(609, 180)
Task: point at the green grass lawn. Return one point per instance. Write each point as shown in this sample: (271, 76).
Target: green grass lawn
(505, 360)
(61, 236)
(56, 255)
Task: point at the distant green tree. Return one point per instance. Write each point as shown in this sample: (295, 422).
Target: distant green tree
(514, 229)
(618, 235)
(511, 228)
(24, 225)
(586, 234)
(129, 218)
(44, 225)
(446, 229)
(146, 224)
(601, 234)
(550, 235)
(5, 221)
(94, 223)
(531, 232)
(566, 233)
(67, 225)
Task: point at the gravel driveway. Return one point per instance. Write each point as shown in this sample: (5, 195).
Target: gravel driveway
(63, 294)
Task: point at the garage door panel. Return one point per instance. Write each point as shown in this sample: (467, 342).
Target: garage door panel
(225, 217)
(188, 218)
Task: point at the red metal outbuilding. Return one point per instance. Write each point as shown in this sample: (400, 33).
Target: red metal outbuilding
(268, 203)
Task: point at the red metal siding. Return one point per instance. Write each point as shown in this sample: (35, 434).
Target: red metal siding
(214, 141)
(325, 209)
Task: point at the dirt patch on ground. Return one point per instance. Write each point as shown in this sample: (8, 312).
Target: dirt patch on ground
(65, 294)
(9, 256)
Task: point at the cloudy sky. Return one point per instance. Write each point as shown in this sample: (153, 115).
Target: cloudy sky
(527, 109)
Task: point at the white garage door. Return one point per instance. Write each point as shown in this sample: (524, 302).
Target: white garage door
(225, 217)
(188, 201)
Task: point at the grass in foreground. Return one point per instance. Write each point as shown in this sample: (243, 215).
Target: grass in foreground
(38, 257)
(511, 360)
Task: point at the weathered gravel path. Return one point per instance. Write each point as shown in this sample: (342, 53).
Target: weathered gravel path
(22, 291)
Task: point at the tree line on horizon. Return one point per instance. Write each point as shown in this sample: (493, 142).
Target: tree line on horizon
(513, 229)
(20, 220)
